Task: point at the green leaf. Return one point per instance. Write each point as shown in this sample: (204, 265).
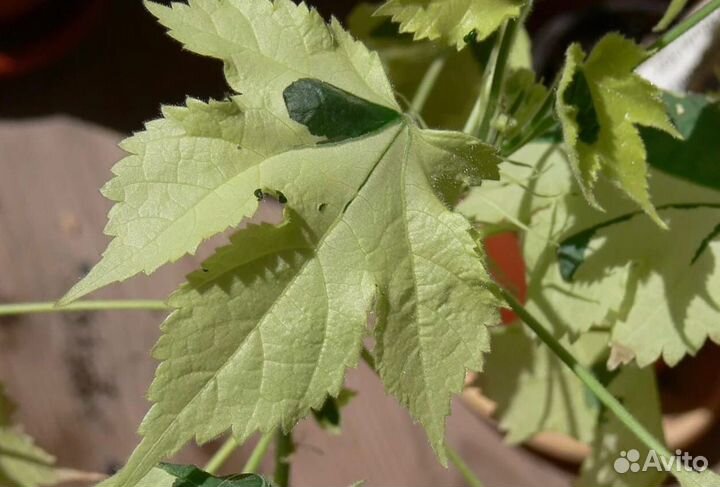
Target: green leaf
(329, 416)
(694, 158)
(366, 233)
(192, 175)
(673, 10)
(637, 390)
(450, 20)
(600, 103)
(333, 113)
(191, 476)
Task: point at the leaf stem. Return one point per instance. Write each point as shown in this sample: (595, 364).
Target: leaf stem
(426, 84)
(283, 450)
(80, 306)
(463, 468)
(222, 455)
(684, 26)
(582, 373)
(506, 43)
(258, 454)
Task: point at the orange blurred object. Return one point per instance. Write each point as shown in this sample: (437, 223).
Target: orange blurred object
(507, 266)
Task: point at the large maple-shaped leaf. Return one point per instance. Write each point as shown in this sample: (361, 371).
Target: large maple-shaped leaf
(265, 332)
(269, 326)
(450, 20)
(600, 103)
(187, 175)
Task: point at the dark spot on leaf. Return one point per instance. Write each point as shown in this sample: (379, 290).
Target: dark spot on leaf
(579, 95)
(328, 111)
(259, 194)
(321, 207)
(281, 198)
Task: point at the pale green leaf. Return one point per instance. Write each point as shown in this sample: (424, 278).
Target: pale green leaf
(450, 20)
(188, 175)
(600, 103)
(636, 389)
(674, 9)
(265, 332)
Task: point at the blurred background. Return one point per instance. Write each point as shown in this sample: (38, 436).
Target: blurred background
(77, 76)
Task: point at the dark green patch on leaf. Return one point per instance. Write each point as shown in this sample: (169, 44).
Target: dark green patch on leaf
(697, 157)
(578, 94)
(328, 111)
(191, 476)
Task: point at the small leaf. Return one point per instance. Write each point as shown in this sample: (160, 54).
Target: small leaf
(450, 20)
(191, 476)
(707, 478)
(600, 101)
(673, 10)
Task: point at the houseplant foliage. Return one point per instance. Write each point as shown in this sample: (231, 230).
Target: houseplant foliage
(386, 197)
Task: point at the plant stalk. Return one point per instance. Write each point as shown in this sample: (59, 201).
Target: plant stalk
(506, 43)
(258, 454)
(222, 455)
(582, 373)
(283, 450)
(81, 306)
(684, 26)
(463, 468)
(427, 84)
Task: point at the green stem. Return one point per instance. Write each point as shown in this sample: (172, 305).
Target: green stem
(463, 468)
(221, 456)
(80, 306)
(426, 85)
(506, 43)
(684, 26)
(582, 373)
(283, 449)
(258, 454)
